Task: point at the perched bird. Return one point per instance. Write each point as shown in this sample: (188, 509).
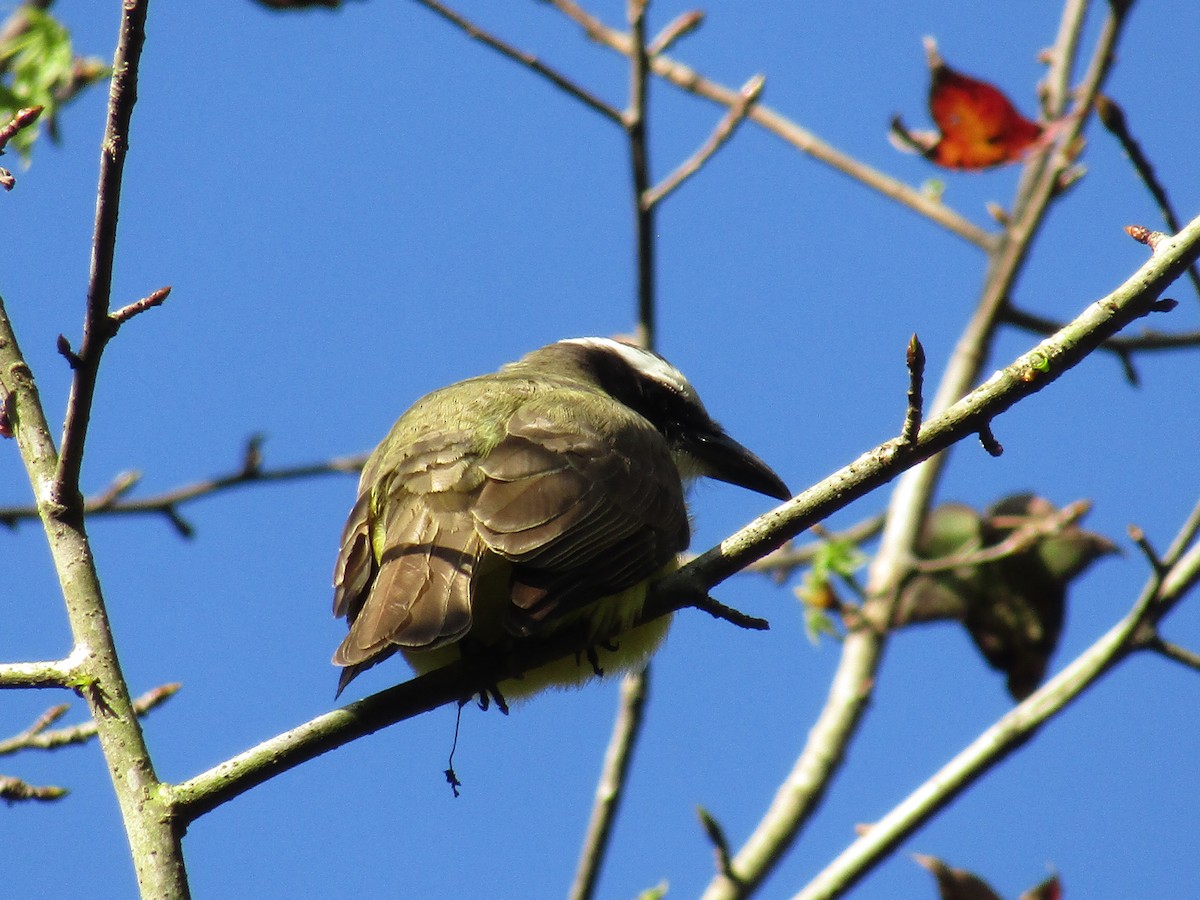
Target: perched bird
(515, 505)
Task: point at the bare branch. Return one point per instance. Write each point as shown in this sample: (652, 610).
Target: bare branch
(724, 130)
(720, 843)
(97, 326)
(14, 790)
(529, 60)
(37, 737)
(683, 24)
(915, 360)
(1174, 652)
(639, 161)
(806, 142)
(21, 120)
(1112, 117)
(611, 785)
(125, 313)
(113, 500)
(466, 677)
(1029, 534)
(1122, 346)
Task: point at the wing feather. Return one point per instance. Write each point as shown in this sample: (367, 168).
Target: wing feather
(583, 506)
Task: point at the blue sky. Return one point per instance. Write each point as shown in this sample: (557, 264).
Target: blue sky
(355, 208)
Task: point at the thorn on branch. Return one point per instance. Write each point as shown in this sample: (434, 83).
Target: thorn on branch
(13, 790)
(719, 610)
(989, 442)
(125, 313)
(181, 525)
(64, 349)
(1126, 361)
(1144, 235)
(1174, 652)
(915, 359)
(252, 457)
(720, 843)
(7, 415)
(1138, 536)
(21, 120)
(121, 485)
(682, 25)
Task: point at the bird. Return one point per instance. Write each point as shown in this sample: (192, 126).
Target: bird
(521, 504)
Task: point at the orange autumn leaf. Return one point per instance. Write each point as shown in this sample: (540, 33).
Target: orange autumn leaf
(978, 126)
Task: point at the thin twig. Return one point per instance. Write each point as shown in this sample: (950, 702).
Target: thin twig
(1183, 540)
(782, 562)
(1147, 341)
(805, 141)
(639, 163)
(529, 60)
(720, 843)
(1112, 117)
(97, 326)
(611, 785)
(21, 120)
(1032, 532)
(14, 790)
(915, 361)
(39, 737)
(683, 24)
(125, 313)
(1174, 652)
(723, 131)
(112, 501)
(850, 693)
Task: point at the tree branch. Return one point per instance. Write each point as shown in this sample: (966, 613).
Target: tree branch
(98, 326)
(806, 142)
(528, 60)
(113, 500)
(154, 838)
(724, 130)
(1112, 117)
(862, 649)
(997, 742)
(39, 735)
(1022, 378)
(611, 785)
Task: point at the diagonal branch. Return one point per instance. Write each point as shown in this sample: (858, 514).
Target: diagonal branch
(529, 60)
(1006, 735)
(1112, 117)
(617, 761)
(724, 130)
(862, 650)
(1022, 378)
(39, 735)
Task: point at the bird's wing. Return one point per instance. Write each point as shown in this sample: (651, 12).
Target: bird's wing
(584, 506)
(410, 553)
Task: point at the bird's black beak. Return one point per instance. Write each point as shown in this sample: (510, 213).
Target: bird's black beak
(723, 458)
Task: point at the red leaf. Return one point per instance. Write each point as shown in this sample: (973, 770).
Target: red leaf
(979, 126)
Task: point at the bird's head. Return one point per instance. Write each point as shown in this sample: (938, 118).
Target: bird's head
(649, 385)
